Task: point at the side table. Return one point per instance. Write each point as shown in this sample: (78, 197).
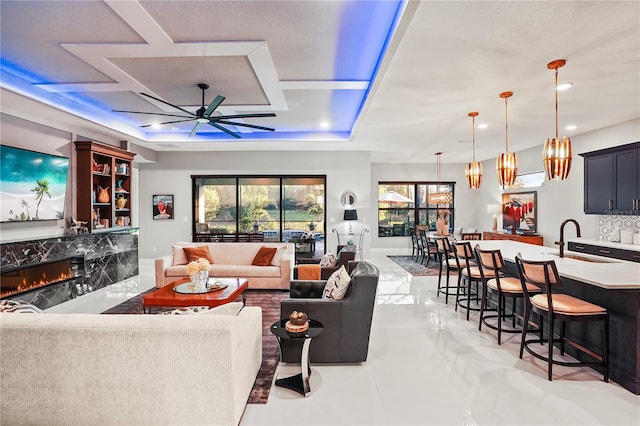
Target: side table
(300, 381)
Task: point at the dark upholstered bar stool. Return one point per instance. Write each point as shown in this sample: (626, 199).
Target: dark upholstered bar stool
(497, 282)
(447, 263)
(561, 307)
(468, 273)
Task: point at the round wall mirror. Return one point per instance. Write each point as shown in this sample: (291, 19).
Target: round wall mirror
(348, 200)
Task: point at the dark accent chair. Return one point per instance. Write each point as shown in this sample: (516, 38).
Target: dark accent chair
(347, 322)
(344, 257)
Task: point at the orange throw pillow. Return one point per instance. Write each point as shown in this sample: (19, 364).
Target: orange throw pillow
(194, 253)
(264, 256)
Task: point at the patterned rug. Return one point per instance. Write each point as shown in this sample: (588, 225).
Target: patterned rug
(269, 301)
(414, 268)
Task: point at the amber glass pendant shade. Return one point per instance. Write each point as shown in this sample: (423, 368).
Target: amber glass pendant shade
(439, 197)
(507, 162)
(557, 153)
(473, 170)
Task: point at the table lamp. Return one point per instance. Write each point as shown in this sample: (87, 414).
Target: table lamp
(349, 216)
(495, 209)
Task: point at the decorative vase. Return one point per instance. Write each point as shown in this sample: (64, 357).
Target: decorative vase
(121, 201)
(199, 279)
(103, 194)
(203, 275)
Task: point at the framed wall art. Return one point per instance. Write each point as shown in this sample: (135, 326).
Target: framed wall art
(519, 211)
(163, 207)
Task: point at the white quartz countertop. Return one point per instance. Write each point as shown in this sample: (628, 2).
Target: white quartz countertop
(632, 247)
(607, 273)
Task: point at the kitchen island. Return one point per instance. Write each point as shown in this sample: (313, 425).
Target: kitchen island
(610, 283)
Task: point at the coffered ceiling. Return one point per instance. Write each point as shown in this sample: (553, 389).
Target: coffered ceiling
(390, 77)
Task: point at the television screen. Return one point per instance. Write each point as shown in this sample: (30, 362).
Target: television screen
(32, 185)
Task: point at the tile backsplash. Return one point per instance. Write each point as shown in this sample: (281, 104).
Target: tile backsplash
(610, 223)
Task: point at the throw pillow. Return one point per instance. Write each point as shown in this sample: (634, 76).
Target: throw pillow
(179, 258)
(277, 258)
(337, 284)
(19, 306)
(264, 256)
(328, 260)
(194, 253)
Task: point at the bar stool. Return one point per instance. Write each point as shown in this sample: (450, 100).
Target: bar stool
(468, 273)
(562, 307)
(497, 282)
(446, 261)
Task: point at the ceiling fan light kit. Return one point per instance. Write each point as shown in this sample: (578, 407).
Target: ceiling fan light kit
(203, 115)
(507, 162)
(557, 152)
(473, 170)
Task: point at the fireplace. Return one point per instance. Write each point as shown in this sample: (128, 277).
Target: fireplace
(50, 271)
(37, 276)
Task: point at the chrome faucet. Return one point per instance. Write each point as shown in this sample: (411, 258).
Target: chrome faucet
(561, 242)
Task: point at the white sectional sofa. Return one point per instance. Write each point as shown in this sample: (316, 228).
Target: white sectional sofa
(79, 369)
(232, 260)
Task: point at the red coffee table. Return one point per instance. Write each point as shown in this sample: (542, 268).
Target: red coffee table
(166, 297)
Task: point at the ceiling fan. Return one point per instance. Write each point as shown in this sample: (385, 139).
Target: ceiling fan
(203, 115)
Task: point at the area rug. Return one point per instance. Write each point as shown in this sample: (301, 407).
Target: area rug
(269, 301)
(409, 264)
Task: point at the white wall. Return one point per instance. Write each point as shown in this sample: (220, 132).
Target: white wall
(172, 175)
(560, 200)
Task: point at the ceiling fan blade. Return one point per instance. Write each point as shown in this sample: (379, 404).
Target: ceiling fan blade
(195, 129)
(167, 103)
(215, 103)
(150, 113)
(261, 114)
(253, 126)
(227, 131)
(168, 122)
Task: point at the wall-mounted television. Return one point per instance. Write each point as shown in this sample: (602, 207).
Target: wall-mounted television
(33, 185)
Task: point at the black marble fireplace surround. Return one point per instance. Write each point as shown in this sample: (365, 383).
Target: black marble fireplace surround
(96, 260)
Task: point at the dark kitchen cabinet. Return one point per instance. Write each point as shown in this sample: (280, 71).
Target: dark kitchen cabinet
(627, 179)
(612, 180)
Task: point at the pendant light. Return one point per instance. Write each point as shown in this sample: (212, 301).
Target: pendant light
(507, 162)
(473, 170)
(557, 153)
(439, 197)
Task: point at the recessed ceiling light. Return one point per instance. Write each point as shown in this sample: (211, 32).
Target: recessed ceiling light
(563, 86)
(571, 127)
(483, 126)
(324, 124)
(174, 128)
(156, 125)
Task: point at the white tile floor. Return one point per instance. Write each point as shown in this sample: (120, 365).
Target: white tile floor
(427, 366)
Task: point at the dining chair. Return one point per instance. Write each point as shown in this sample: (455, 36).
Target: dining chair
(471, 236)
(416, 248)
(552, 305)
(428, 250)
(496, 282)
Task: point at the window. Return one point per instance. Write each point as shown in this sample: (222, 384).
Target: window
(402, 205)
(277, 207)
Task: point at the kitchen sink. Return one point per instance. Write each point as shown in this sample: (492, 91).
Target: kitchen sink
(584, 258)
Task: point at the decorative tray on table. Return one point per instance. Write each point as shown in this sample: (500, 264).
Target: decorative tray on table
(188, 288)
